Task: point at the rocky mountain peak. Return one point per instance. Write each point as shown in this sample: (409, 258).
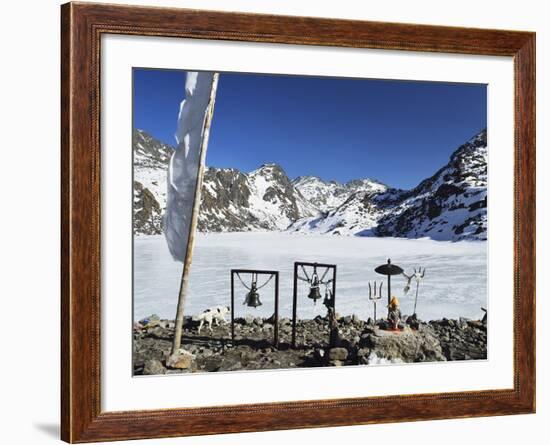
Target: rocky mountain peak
(451, 204)
(366, 184)
(148, 151)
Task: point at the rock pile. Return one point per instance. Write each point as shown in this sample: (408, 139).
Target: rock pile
(358, 342)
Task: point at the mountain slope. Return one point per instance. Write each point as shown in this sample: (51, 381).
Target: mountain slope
(151, 159)
(450, 205)
(327, 195)
(264, 199)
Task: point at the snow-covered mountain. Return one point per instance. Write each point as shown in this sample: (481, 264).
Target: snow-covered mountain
(151, 158)
(357, 215)
(450, 205)
(264, 199)
(327, 195)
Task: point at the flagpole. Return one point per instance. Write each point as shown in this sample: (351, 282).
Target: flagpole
(178, 328)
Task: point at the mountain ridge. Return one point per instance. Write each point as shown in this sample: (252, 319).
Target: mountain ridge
(449, 205)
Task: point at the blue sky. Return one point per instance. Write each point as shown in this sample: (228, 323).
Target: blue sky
(399, 132)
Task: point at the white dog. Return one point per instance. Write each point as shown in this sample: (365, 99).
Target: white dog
(214, 314)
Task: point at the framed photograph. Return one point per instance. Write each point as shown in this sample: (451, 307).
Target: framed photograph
(275, 222)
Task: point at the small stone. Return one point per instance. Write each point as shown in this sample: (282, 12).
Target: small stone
(206, 353)
(284, 321)
(212, 364)
(151, 321)
(153, 367)
(286, 329)
(229, 365)
(180, 360)
(363, 356)
(340, 354)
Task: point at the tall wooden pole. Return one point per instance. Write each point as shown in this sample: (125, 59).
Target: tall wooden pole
(194, 219)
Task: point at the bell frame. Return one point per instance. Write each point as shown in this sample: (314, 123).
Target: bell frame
(298, 264)
(276, 311)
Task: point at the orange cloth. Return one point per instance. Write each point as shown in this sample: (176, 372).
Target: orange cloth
(394, 302)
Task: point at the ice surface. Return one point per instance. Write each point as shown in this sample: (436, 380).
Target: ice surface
(455, 283)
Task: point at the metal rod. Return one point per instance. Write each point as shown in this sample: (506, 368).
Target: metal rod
(389, 293)
(294, 304)
(276, 321)
(232, 308)
(258, 272)
(416, 297)
(333, 301)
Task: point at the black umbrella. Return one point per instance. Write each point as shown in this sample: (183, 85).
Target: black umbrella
(389, 269)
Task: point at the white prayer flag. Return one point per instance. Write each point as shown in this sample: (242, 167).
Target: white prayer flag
(188, 160)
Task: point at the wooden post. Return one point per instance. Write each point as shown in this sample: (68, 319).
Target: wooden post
(194, 218)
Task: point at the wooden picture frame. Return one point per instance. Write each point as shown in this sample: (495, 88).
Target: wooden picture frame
(82, 26)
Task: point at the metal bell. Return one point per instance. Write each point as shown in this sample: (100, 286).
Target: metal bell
(253, 299)
(328, 301)
(314, 293)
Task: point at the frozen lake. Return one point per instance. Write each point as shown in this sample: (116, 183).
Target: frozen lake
(455, 283)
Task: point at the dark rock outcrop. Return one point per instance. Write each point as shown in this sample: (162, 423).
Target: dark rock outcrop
(147, 211)
(359, 343)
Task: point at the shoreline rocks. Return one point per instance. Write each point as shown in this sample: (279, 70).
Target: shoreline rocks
(358, 342)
